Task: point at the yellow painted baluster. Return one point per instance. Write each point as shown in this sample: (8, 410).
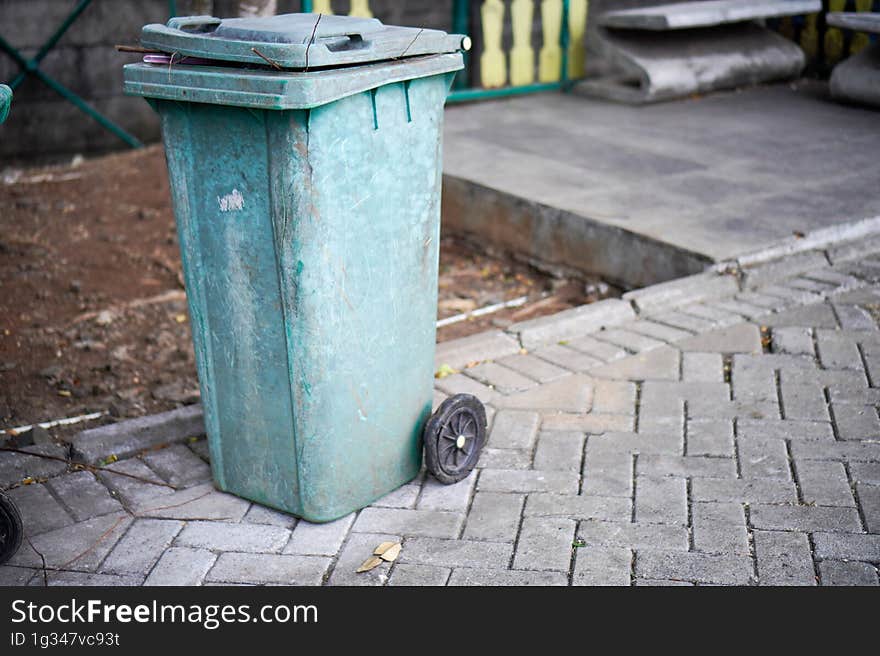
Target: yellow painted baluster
(493, 64)
(810, 36)
(522, 56)
(577, 27)
(834, 36)
(321, 7)
(361, 9)
(550, 60)
(860, 39)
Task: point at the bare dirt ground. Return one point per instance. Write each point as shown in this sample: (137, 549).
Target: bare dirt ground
(92, 306)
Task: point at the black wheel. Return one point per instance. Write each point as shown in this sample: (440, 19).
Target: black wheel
(10, 528)
(454, 437)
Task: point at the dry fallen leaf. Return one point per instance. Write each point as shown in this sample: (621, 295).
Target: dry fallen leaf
(382, 548)
(370, 563)
(391, 554)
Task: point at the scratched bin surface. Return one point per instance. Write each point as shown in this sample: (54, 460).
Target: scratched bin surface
(309, 239)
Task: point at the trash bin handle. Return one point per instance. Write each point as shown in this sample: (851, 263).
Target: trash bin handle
(5, 101)
(194, 23)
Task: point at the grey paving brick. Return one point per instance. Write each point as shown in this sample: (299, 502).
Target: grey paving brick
(514, 429)
(534, 367)
(739, 338)
(504, 459)
(319, 539)
(431, 523)
(81, 546)
(592, 423)
(581, 506)
(783, 268)
(500, 378)
(666, 583)
(545, 543)
(633, 342)
(268, 568)
(805, 401)
(739, 307)
(83, 495)
(771, 303)
(419, 575)
(763, 458)
(602, 566)
(753, 386)
(16, 576)
(652, 423)
(818, 315)
(698, 567)
(792, 294)
(199, 502)
(511, 480)
(865, 472)
(856, 422)
(658, 364)
(608, 473)
(133, 492)
(837, 351)
(702, 367)
(490, 345)
(660, 465)
(494, 516)
(783, 559)
(721, 318)
(823, 483)
(661, 500)
(224, 536)
(793, 340)
(854, 392)
(841, 572)
(15, 467)
(709, 438)
(614, 397)
(461, 384)
(567, 358)
(571, 394)
(720, 527)
(852, 317)
(559, 450)
(357, 549)
(40, 512)
(757, 490)
(869, 502)
(178, 465)
(659, 331)
(582, 320)
(785, 429)
(200, 448)
(143, 545)
(666, 442)
(77, 579)
(599, 350)
(454, 498)
(262, 515)
(843, 451)
(457, 553)
(634, 535)
(804, 518)
(462, 576)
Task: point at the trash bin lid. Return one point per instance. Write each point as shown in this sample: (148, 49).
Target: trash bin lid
(297, 41)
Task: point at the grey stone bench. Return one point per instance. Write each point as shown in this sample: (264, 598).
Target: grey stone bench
(858, 78)
(676, 50)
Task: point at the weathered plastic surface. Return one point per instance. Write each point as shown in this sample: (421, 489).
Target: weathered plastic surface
(5, 101)
(277, 90)
(310, 249)
(296, 40)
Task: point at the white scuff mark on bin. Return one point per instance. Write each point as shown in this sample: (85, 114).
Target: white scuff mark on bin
(231, 202)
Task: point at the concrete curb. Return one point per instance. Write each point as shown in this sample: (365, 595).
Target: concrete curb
(127, 438)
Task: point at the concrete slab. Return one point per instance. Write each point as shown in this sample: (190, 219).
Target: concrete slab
(651, 193)
(684, 15)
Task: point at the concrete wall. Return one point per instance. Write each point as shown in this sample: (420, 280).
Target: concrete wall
(43, 126)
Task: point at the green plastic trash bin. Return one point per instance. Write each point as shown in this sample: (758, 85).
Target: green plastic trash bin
(304, 155)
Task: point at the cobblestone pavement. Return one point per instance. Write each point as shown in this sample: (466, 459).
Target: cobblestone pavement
(722, 429)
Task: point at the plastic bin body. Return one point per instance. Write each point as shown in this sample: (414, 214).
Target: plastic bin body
(310, 246)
